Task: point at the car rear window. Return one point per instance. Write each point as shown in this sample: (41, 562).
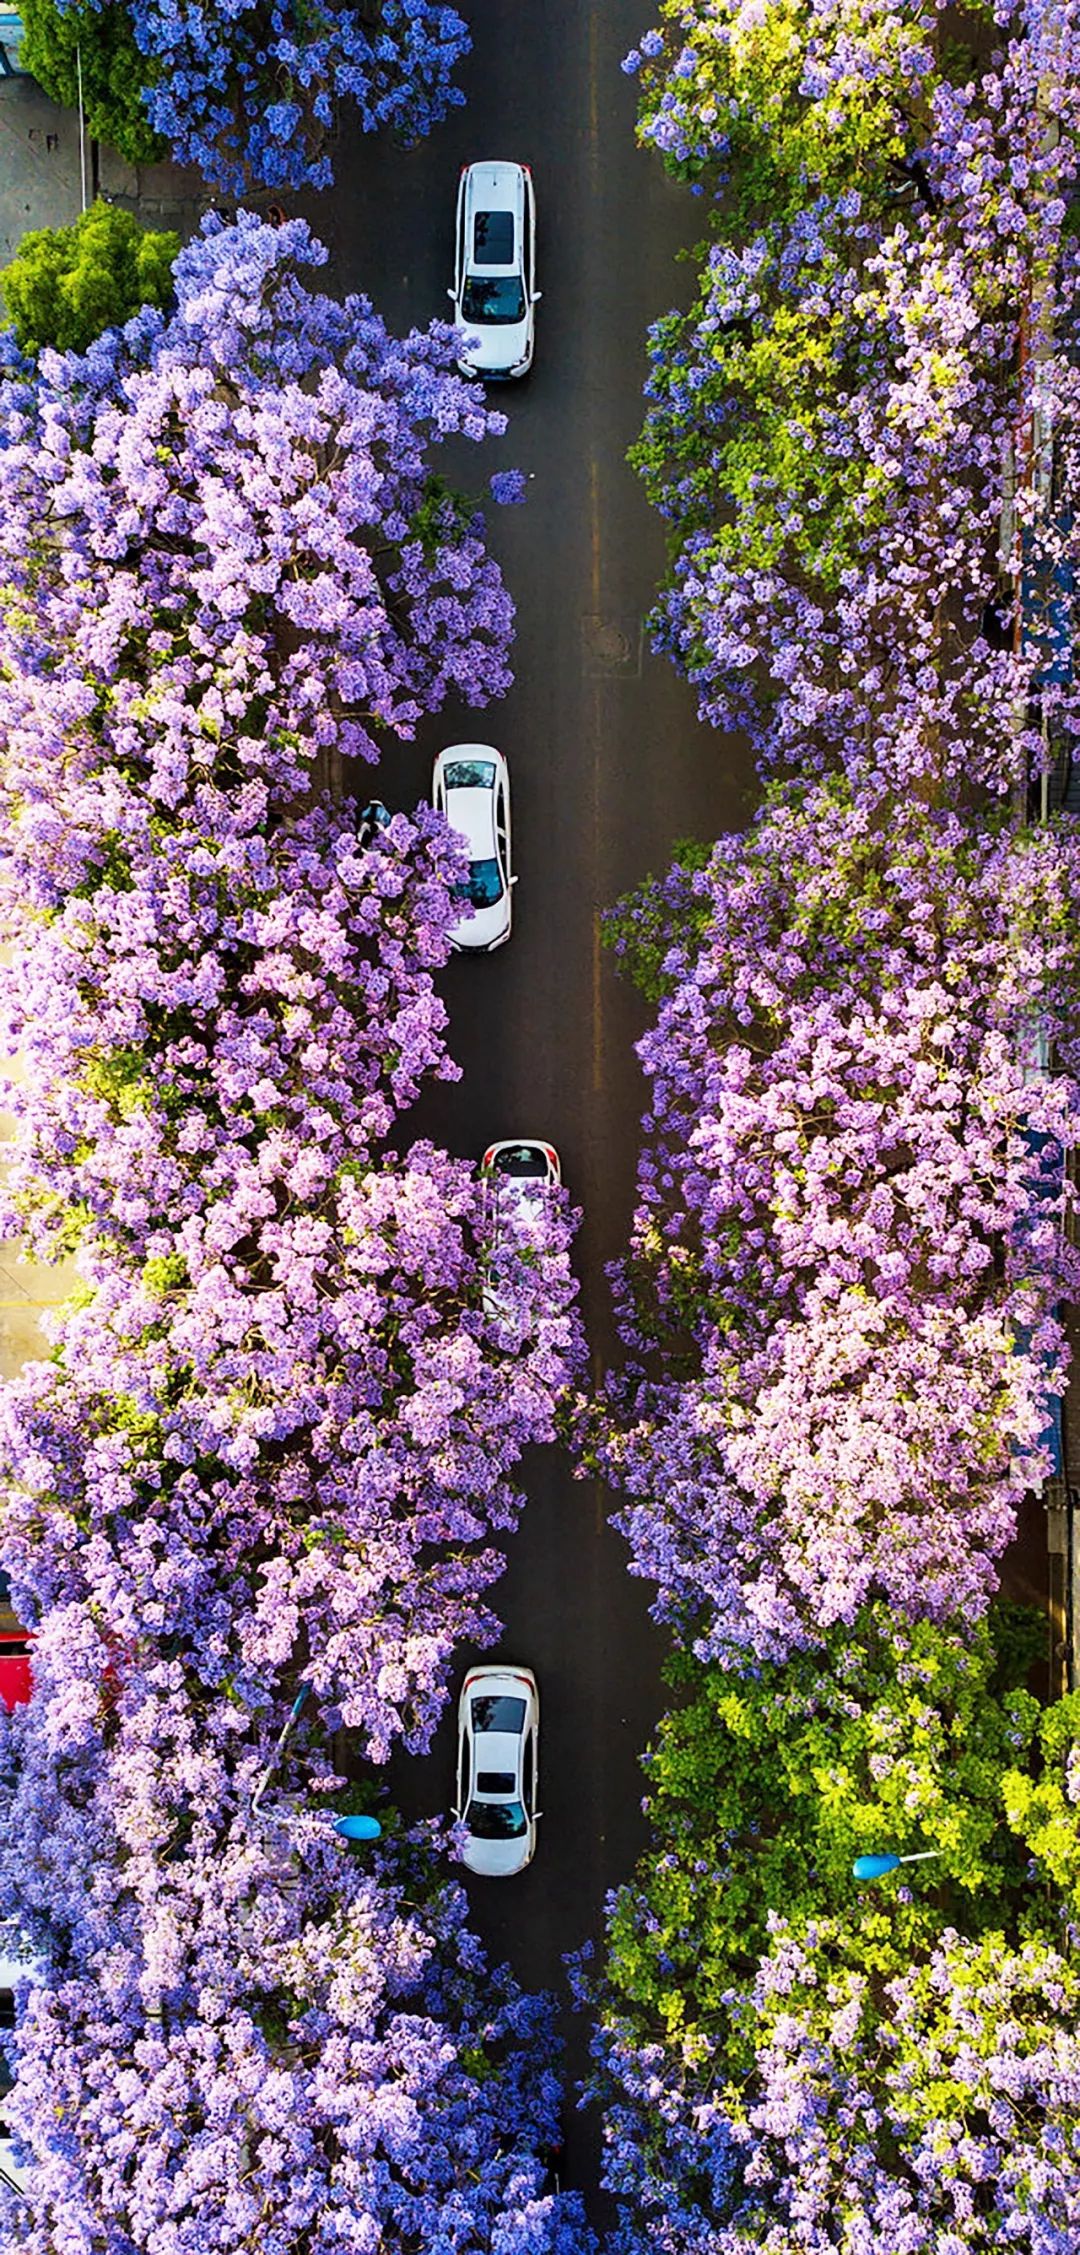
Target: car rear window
(499, 1713)
(522, 1160)
(495, 1820)
(483, 885)
(493, 238)
(470, 775)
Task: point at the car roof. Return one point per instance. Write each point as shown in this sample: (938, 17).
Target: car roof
(495, 187)
(492, 177)
(471, 813)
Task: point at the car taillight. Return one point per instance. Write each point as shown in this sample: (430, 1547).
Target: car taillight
(488, 1159)
(550, 1154)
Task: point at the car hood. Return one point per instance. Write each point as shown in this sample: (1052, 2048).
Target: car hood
(496, 1859)
(496, 348)
(482, 925)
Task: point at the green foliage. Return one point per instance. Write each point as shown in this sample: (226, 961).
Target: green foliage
(785, 146)
(66, 285)
(659, 914)
(445, 514)
(761, 1792)
(113, 71)
(1045, 1808)
(765, 392)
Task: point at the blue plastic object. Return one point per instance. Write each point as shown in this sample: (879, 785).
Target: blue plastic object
(358, 1828)
(874, 1867)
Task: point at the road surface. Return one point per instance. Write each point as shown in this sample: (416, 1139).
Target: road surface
(609, 766)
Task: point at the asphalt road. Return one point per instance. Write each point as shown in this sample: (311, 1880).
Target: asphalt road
(609, 766)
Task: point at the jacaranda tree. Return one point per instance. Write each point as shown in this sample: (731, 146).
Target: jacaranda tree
(241, 2029)
(251, 94)
(278, 1430)
(791, 2064)
(838, 1307)
(828, 424)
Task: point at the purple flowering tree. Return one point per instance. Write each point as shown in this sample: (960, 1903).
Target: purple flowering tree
(786, 2061)
(287, 1366)
(838, 1306)
(276, 1438)
(935, 2110)
(242, 2028)
(252, 94)
(830, 426)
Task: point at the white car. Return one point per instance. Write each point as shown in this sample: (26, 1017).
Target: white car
(498, 1772)
(15, 2174)
(494, 290)
(471, 787)
(518, 1178)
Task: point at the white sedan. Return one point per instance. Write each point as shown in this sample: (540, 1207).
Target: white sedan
(494, 288)
(15, 2174)
(518, 1179)
(498, 1770)
(471, 787)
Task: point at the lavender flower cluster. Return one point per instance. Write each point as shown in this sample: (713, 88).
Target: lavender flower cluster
(275, 1440)
(250, 92)
(837, 1249)
(841, 1304)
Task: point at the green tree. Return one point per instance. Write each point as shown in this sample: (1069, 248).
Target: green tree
(762, 1790)
(114, 73)
(66, 284)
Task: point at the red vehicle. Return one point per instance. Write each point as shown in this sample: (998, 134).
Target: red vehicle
(16, 1682)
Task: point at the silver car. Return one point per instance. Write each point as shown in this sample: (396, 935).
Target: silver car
(498, 1769)
(494, 290)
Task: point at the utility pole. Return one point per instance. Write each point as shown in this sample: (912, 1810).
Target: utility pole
(82, 126)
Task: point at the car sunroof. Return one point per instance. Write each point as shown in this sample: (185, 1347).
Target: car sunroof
(493, 238)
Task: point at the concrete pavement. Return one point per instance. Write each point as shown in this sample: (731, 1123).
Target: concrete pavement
(39, 164)
(42, 173)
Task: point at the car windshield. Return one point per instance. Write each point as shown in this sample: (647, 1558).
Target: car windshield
(495, 1820)
(469, 775)
(483, 886)
(496, 300)
(495, 1711)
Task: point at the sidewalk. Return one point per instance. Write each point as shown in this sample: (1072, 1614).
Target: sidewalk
(41, 180)
(25, 1290)
(39, 164)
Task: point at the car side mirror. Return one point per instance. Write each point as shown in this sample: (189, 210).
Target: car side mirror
(536, 295)
(451, 293)
(513, 880)
(537, 1814)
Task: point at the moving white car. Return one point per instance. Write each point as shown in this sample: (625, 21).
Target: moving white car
(471, 787)
(494, 289)
(519, 1172)
(498, 1769)
(15, 2174)
(518, 1177)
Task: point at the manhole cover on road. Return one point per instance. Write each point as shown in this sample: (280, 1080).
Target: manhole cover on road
(611, 645)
